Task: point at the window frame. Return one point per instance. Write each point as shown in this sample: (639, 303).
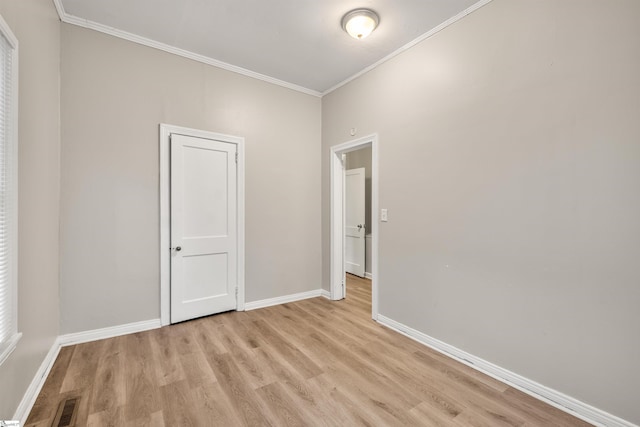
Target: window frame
(7, 347)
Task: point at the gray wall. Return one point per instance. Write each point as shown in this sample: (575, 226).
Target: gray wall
(114, 96)
(510, 166)
(509, 162)
(35, 24)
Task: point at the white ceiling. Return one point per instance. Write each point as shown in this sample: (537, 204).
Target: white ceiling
(298, 42)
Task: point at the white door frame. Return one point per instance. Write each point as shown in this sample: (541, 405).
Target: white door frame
(165, 212)
(338, 212)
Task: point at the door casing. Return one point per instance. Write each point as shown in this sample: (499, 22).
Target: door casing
(337, 240)
(165, 212)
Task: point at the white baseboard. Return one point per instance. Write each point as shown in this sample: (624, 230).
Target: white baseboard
(30, 396)
(325, 293)
(283, 299)
(368, 275)
(552, 397)
(110, 332)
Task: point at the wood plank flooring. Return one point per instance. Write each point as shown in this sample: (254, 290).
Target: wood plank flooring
(309, 363)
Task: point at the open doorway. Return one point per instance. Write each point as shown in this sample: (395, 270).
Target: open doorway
(358, 212)
(341, 160)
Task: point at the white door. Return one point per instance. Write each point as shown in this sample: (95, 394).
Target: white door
(354, 222)
(204, 238)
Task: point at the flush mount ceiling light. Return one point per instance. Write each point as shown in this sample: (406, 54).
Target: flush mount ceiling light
(359, 23)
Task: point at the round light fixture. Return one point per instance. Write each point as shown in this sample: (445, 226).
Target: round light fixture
(359, 23)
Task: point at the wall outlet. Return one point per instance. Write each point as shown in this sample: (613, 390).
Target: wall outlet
(383, 215)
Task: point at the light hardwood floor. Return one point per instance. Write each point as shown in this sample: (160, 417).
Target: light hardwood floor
(313, 362)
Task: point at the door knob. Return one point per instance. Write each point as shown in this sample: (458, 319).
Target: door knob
(178, 248)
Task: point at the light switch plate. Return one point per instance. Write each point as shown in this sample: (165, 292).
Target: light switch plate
(383, 215)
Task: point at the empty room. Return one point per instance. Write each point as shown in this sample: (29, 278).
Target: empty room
(319, 213)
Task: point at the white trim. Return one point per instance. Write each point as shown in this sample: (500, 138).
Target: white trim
(409, 45)
(283, 299)
(337, 248)
(11, 206)
(337, 276)
(60, 9)
(110, 332)
(548, 395)
(325, 294)
(9, 346)
(30, 396)
(165, 224)
(368, 275)
(85, 23)
(8, 34)
(165, 217)
(240, 300)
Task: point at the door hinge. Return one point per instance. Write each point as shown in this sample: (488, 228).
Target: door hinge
(236, 157)
(236, 293)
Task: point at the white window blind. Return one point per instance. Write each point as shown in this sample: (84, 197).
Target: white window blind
(8, 191)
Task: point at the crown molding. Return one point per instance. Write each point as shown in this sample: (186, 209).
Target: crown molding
(412, 43)
(60, 9)
(85, 23)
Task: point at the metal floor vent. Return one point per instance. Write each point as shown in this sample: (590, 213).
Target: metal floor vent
(66, 415)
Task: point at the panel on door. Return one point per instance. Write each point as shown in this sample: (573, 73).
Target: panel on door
(204, 239)
(354, 221)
